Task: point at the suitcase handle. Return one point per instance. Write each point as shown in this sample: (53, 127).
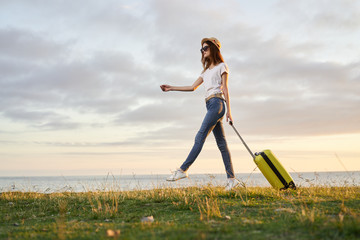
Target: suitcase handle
(253, 156)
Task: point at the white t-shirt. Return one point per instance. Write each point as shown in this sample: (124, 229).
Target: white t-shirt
(212, 79)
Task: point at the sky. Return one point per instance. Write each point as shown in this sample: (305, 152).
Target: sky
(80, 95)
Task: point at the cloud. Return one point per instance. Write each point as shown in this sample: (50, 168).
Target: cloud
(112, 58)
(321, 18)
(283, 94)
(41, 120)
(79, 80)
(103, 83)
(26, 45)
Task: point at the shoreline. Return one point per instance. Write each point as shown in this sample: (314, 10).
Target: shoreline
(146, 182)
(166, 174)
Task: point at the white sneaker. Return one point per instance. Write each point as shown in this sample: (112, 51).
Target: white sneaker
(231, 183)
(177, 175)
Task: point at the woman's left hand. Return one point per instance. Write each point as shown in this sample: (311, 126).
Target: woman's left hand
(229, 117)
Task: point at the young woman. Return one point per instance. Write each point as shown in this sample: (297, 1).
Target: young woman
(215, 79)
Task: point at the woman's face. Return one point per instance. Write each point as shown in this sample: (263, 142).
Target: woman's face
(205, 50)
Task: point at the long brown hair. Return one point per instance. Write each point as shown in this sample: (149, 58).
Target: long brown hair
(215, 56)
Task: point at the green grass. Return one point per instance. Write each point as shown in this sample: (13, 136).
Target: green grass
(184, 213)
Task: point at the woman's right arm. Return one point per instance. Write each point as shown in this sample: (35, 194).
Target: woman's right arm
(191, 88)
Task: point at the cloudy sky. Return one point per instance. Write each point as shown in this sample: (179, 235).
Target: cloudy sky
(79, 84)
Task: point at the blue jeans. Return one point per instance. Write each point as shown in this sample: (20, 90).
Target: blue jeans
(212, 122)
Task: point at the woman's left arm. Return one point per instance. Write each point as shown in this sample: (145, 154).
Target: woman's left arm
(225, 90)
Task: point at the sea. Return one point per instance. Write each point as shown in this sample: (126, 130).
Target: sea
(109, 182)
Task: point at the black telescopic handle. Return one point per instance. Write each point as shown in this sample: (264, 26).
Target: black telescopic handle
(253, 156)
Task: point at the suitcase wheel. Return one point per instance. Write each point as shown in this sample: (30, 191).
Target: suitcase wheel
(290, 185)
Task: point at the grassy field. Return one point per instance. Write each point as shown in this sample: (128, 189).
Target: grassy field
(184, 213)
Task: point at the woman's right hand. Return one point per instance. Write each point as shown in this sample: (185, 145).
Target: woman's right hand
(165, 88)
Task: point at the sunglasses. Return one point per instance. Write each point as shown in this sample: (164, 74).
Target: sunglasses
(204, 49)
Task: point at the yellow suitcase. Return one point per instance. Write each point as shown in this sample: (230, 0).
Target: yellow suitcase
(273, 170)
(270, 166)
